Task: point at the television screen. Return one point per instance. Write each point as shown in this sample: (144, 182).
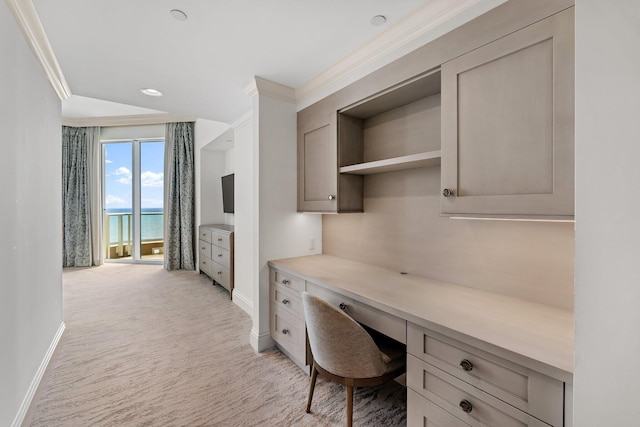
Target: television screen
(227, 193)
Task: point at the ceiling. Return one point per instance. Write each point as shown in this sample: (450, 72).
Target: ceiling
(110, 50)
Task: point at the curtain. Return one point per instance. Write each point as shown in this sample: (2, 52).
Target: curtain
(78, 147)
(179, 196)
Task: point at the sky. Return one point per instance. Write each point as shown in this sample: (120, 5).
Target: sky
(118, 175)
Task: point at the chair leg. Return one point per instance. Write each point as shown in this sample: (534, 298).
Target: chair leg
(349, 406)
(312, 386)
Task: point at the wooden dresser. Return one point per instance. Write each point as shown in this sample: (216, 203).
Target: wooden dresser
(215, 247)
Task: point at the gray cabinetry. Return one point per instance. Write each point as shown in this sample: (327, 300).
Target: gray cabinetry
(215, 249)
(507, 124)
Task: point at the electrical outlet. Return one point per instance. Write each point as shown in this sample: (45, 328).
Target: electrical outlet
(312, 244)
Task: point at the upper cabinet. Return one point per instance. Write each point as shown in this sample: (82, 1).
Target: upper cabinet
(508, 124)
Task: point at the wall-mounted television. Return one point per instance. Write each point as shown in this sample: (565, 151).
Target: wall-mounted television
(227, 194)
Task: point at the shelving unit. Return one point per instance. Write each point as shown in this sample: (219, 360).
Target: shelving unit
(420, 160)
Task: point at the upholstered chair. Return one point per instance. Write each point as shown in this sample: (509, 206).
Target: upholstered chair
(345, 353)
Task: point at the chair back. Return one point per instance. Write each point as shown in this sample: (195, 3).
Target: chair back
(338, 343)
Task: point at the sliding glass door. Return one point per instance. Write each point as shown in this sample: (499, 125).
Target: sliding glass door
(133, 197)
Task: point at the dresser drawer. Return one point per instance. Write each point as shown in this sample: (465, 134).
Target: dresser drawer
(451, 394)
(221, 239)
(220, 274)
(204, 234)
(221, 256)
(205, 265)
(422, 413)
(289, 332)
(527, 390)
(204, 248)
(388, 324)
(287, 280)
(286, 300)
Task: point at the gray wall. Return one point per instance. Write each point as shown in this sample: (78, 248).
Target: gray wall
(30, 217)
(607, 303)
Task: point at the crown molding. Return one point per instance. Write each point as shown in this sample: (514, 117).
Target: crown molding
(265, 87)
(29, 22)
(414, 30)
(136, 120)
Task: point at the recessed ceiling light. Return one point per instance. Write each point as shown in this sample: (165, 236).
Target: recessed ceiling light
(178, 15)
(151, 92)
(378, 20)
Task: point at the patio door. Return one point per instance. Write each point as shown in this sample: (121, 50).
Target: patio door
(133, 200)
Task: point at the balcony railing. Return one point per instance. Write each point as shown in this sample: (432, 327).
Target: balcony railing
(118, 235)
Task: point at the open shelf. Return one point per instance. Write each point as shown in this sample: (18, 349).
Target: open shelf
(420, 160)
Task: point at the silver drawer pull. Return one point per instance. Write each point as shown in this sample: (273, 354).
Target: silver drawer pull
(219, 272)
(466, 406)
(219, 255)
(343, 306)
(285, 331)
(285, 301)
(285, 282)
(219, 240)
(466, 365)
(203, 248)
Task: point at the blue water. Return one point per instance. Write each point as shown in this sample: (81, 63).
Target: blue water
(151, 226)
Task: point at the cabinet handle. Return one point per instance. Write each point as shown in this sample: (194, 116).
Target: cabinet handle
(447, 193)
(219, 240)
(219, 272)
(285, 282)
(466, 406)
(219, 255)
(331, 197)
(466, 365)
(203, 248)
(286, 331)
(285, 301)
(343, 306)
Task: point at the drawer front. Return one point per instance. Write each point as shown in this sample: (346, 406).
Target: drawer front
(521, 387)
(204, 248)
(288, 281)
(452, 394)
(289, 332)
(286, 300)
(205, 234)
(220, 239)
(220, 274)
(205, 265)
(388, 324)
(424, 413)
(221, 256)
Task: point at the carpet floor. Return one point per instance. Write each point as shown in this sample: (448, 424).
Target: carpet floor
(147, 347)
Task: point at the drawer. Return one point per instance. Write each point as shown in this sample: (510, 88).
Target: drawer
(527, 390)
(204, 234)
(221, 256)
(289, 281)
(289, 332)
(221, 274)
(451, 393)
(220, 239)
(205, 265)
(286, 300)
(422, 412)
(386, 323)
(204, 248)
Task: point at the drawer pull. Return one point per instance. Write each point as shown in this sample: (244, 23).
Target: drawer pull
(343, 306)
(203, 248)
(219, 255)
(285, 331)
(285, 301)
(285, 282)
(447, 192)
(219, 239)
(466, 406)
(331, 197)
(219, 272)
(466, 365)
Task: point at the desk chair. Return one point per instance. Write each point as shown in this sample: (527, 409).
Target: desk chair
(345, 353)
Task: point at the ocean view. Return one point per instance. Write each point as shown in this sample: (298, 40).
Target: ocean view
(151, 227)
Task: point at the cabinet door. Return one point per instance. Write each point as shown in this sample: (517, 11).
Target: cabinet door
(318, 165)
(507, 124)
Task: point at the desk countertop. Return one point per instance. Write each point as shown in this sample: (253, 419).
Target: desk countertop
(538, 335)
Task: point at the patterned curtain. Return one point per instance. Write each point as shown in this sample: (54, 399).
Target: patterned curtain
(77, 144)
(179, 197)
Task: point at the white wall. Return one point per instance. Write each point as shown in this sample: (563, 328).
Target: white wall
(607, 287)
(30, 221)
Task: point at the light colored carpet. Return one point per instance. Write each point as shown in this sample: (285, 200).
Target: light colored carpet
(147, 347)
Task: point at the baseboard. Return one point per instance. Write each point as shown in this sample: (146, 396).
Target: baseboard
(243, 302)
(31, 391)
(261, 341)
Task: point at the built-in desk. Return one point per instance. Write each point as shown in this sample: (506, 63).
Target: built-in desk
(511, 359)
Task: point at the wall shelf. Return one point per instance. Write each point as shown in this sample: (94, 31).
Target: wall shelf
(420, 160)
